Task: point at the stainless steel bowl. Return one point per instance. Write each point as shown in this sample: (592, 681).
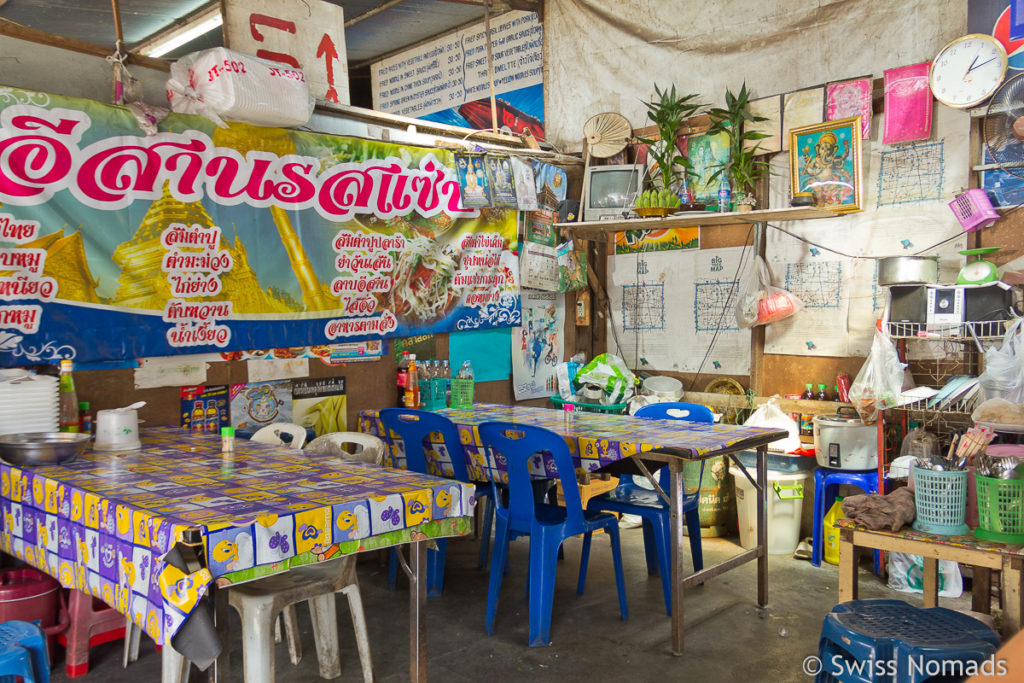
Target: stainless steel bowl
(908, 270)
(32, 449)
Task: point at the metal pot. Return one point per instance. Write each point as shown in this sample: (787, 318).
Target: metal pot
(843, 441)
(908, 270)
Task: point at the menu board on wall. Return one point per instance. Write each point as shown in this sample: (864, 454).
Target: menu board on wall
(445, 80)
(115, 245)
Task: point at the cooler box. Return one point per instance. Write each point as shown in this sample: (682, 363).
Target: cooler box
(785, 506)
(781, 462)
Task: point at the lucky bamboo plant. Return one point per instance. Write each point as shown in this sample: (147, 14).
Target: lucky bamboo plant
(667, 111)
(743, 167)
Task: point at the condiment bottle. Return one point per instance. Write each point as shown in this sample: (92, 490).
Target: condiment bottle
(808, 394)
(403, 376)
(822, 396)
(84, 418)
(412, 387)
(67, 399)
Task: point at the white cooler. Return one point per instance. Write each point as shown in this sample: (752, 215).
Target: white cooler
(785, 505)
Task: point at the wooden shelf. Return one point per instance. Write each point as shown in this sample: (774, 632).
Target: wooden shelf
(605, 230)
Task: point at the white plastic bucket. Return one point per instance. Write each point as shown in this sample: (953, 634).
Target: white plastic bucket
(785, 505)
(668, 388)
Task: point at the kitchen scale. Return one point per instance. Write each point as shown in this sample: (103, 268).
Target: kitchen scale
(978, 271)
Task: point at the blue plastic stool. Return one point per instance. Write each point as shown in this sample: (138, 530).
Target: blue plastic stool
(414, 428)
(870, 640)
(825, 482)
(23, 653)
(547, 525)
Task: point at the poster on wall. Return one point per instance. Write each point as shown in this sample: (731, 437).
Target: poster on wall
(115, 245)
(320, 404)
(446, 81)
(538, 345)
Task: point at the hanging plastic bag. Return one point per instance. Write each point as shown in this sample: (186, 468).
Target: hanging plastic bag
(760, 302)
(906, 575)
(611, 374)
(880, 381)
(771, 416)
(1003, 376)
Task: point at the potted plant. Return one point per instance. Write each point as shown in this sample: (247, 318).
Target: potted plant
(667, 111)
(743, 168)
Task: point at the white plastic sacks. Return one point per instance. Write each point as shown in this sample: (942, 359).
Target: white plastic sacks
(222, 84)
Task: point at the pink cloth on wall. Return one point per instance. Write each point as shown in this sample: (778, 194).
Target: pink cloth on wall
(908, 104)
(850, 98)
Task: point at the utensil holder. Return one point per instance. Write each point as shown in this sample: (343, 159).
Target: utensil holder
(941, 499)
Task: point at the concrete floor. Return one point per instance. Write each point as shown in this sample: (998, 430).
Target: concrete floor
(727, 637)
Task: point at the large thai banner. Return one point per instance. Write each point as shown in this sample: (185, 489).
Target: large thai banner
(115, 245)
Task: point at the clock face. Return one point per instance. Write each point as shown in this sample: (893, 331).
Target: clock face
(968, 70)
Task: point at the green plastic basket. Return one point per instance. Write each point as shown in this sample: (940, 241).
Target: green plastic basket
(614, 408)
(433, 394)
(941, 500)
(462, 393)
(1000, 510)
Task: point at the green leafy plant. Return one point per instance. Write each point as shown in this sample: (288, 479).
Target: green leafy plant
(743, 167)
(667, 111)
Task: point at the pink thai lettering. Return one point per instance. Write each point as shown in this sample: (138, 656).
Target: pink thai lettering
(22, 318)
(361, 284)
(198, 334)
(36, 165)
(359, 305)
(27, 287)
(194, 284)
(181, 235)
(16, 231)
(380, 325)
(205, 262)
(347, 239)
(378, 261)
(22, 259)
(177, 310)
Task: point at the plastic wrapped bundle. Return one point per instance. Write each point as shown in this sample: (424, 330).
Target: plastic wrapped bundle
(222, 84)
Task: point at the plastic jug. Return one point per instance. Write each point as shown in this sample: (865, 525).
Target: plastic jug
(830, 548)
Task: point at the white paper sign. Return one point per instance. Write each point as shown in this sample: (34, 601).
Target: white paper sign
(308, 35)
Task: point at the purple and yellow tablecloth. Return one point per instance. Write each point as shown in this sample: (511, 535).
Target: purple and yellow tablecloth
(103, 523)
(594, 439)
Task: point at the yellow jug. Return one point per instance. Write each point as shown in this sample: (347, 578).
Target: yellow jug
(831, 544)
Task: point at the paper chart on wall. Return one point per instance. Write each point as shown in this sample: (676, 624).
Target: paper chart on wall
(667, 306)
(906, 192)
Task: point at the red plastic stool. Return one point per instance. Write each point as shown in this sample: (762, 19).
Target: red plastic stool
(90, 623)
(28, 594)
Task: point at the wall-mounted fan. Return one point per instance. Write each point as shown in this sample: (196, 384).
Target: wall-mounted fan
(1003, 128)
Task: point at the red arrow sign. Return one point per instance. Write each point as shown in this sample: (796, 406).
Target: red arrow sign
(329, 52)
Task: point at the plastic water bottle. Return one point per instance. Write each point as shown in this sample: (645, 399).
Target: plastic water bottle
(724, 194)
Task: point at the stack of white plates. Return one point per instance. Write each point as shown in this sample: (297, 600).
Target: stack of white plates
(28, 402)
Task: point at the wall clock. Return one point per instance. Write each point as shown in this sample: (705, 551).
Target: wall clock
(968, 70)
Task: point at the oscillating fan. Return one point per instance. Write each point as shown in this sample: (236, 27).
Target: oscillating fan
(1004, 126)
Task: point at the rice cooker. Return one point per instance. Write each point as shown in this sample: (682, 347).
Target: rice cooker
(844, 442)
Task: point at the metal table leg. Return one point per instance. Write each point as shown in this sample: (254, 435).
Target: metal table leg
(762, 525)
(418, 612)
(218, 671)
(675, 466)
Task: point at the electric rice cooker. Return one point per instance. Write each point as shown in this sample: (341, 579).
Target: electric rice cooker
(844, 442)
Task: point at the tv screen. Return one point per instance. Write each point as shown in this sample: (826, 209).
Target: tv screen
(612, 190)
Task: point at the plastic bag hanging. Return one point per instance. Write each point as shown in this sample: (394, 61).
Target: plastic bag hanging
(880, 381)
(760, 302)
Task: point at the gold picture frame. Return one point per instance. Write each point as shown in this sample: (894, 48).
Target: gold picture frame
(825, 160)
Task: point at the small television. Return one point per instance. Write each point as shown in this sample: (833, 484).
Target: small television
(610, 190)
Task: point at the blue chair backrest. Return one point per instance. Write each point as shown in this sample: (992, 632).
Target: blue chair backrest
(691, 412)
(414, 428)
(517, 443)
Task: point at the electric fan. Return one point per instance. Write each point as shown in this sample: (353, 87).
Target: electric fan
(1004, 126)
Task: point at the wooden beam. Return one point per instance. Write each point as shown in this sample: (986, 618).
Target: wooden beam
(34, 36)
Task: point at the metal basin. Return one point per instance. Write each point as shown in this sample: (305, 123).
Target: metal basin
(33, 449)
(908, 270)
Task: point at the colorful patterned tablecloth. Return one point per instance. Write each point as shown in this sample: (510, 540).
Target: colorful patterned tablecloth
(104, 522)
(594, 439)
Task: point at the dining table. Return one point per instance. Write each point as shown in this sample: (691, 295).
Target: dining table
(604, 442)
(109, 522)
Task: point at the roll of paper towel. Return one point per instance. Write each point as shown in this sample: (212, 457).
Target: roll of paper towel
(223, 84)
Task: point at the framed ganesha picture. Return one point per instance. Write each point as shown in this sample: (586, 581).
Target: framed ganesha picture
(825, 160)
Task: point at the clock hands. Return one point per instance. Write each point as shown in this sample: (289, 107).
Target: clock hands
(974, 66)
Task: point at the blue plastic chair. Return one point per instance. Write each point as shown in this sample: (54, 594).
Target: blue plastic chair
(23, 653)
(629, 498)
(414, 428)
(547, 525)
(858, 636)
(826, 483)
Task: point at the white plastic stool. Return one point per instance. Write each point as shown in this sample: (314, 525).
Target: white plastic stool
(371, 448)
(272, 434)
(258, 603)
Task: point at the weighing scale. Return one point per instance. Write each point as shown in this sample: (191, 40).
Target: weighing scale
(978, 271)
